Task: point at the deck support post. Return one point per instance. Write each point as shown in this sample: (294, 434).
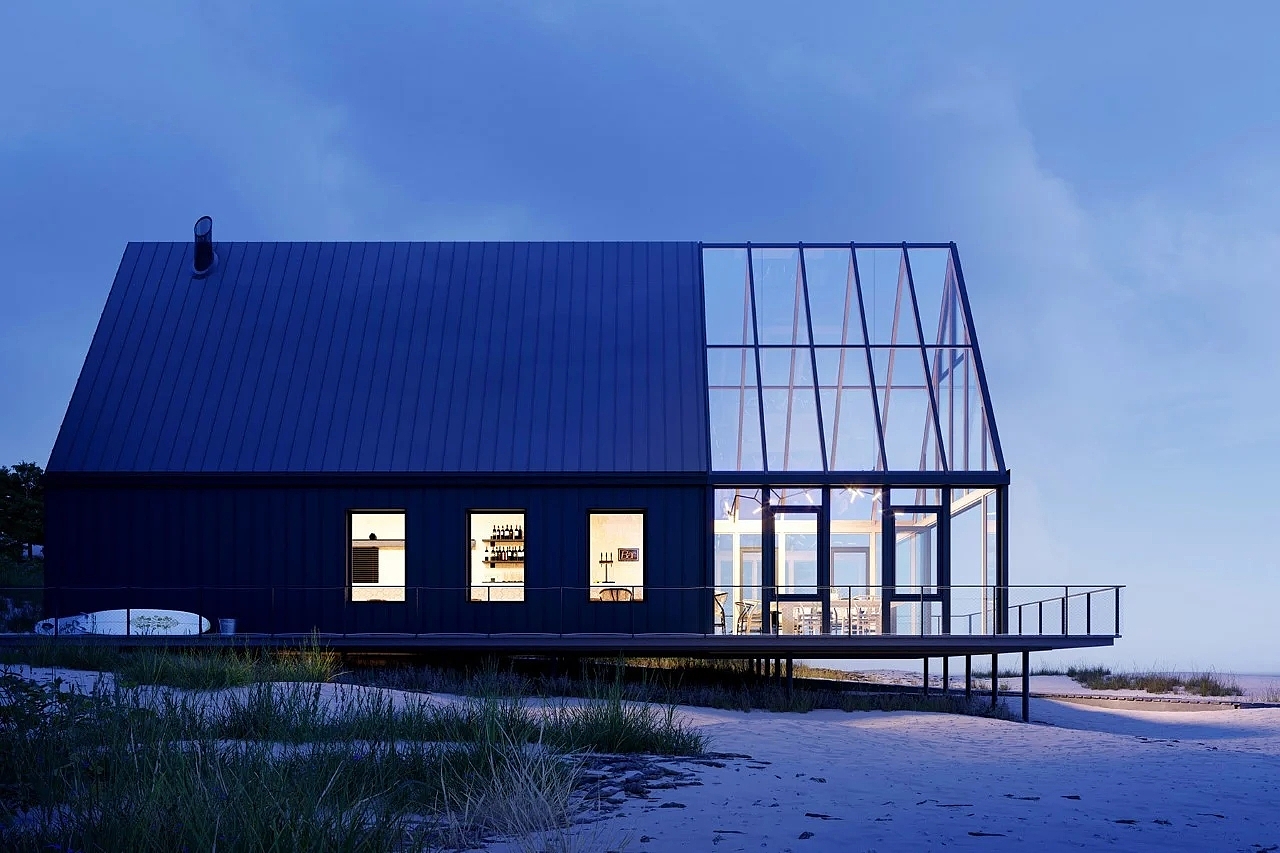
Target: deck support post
(1026, 686)
(968, 678)
(995, 680)
(946, 676)
(926, 676)
(790, 677)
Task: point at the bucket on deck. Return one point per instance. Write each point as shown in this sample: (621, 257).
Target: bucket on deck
(226, 626)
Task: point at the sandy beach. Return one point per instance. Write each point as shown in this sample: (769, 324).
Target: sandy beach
(1075, 778)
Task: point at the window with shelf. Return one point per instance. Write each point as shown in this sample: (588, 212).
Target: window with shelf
(377, 555)
(616, 556)
(497, 555)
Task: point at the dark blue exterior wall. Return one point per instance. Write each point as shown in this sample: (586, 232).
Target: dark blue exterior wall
(274, 556)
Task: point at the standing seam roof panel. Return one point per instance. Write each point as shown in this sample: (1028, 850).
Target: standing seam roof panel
(301, 284)
(300, 357)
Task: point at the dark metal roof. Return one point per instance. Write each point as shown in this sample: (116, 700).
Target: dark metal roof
(396, 357)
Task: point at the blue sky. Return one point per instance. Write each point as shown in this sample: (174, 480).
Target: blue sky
(1108, 170)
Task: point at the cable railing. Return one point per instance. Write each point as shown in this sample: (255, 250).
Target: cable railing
(721, 610)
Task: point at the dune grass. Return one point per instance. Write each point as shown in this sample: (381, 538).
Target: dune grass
(1202, 684)
(190, 669)
(299, 766)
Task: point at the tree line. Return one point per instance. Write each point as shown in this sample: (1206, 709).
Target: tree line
(21, 509)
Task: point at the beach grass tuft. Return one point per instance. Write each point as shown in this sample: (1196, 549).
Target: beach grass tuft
(1207, 683)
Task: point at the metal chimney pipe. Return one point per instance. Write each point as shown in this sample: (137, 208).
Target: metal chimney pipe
(204, 245)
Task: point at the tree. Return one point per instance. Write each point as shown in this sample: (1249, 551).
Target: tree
(22, 506)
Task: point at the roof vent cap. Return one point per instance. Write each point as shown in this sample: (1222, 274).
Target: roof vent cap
(206, 259)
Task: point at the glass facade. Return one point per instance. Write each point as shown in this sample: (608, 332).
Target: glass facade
(831, 359)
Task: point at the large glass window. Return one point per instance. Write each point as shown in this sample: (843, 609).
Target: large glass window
(377, 555)
(497, 555)
(834, 358)
(615, 556)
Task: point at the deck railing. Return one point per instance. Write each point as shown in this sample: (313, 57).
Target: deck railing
(837, 611)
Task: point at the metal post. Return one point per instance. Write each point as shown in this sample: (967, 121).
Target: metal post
(1064, 611)
(968, 678)
(1116, 627)
(1040, 608)
(926, 676)
(946, 675)
(790, 678)
(1026, 686)
(995, 680)
(1088, 613)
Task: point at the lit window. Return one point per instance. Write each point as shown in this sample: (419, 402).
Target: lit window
(616, 556)
(377, 556)
(497, 556)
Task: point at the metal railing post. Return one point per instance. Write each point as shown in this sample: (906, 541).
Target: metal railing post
(1040, 607)
(1064, 611)
(1116, 627)
(1088, 613)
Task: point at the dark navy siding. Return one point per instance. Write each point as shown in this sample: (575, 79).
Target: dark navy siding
(395, 357)
(285, 548)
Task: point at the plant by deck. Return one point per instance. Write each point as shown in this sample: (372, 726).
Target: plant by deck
(295, 767)
(21, 592)
(1203, 684)
(191, 669)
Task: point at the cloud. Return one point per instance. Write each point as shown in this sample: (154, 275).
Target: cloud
(1130, 348)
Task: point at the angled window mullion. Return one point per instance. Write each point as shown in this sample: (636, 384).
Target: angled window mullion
(791, 374)
(871, 372)
(813, 363)
(755, 337)
(893, 345)
(924, 359)
(742, 375)
(989, 422)
(844, 342)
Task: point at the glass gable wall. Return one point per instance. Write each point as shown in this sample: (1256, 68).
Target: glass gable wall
(843, 359)
(850, 373)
